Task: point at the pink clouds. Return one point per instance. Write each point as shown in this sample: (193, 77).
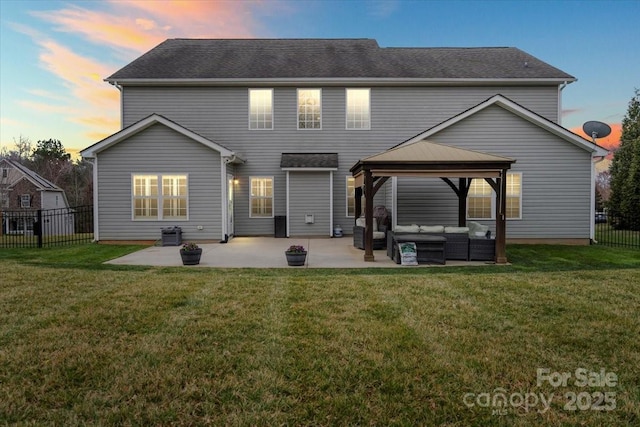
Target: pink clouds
(122, 30)
(137, 26)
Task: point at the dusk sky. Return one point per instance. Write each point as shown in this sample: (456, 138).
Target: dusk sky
(54, 55)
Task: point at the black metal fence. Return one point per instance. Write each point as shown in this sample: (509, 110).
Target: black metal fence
(615, 230)
(46, 228)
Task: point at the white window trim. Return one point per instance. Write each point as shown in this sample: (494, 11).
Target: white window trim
(298, 108)
(160, 199)
(273, 196)
(249, 109)
(493, 203)
(520, 198)
(24, 197)
(346, 109)
(346, 198)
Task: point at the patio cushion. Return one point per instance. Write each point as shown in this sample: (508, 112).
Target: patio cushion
(431, 229)
(413, 228)
(360, 222)
(378, 235)
(456, 229)
(476, 229)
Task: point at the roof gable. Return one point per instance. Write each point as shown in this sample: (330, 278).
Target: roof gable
(38, 181)
(518, 110)
(148, 121)
(247, 59)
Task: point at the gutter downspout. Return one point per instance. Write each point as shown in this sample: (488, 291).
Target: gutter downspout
(560, 88)
(119, 87)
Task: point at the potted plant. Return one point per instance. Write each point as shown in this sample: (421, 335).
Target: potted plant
(190, 254)
(296, 255)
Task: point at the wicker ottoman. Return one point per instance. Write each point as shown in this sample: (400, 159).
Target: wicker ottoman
(482, 249)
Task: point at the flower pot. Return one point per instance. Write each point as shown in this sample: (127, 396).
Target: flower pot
(296, 259)
(191, 257)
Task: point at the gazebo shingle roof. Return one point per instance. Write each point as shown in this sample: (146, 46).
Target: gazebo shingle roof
(328, 59)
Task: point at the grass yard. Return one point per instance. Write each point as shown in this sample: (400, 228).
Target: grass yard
(83, 343)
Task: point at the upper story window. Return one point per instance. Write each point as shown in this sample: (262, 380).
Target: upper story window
(309, 108)
(160, 197)
(358, 109)
(261, 197)
(260, 108)
(481, 201)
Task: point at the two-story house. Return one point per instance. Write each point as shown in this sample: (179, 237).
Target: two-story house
(22, 193)
(222, 136)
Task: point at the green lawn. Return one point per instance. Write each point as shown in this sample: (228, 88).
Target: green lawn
(86, 343)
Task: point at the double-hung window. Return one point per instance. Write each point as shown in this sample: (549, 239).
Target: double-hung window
(261, 197)
(481, 200)
(358, 109)
(260, 108)
(25, 201)
(309, 108)
(160, 197)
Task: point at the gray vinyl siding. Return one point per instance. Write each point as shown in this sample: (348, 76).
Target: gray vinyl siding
(397, 114)
(556, 178)
(158, 150)
(309, 193)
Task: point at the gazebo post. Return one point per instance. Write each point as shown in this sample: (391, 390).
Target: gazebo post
(368, 215)
(501, 209)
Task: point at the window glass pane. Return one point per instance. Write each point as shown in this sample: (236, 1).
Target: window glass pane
(514, 188)
(309, 108)
(358, 115)
(261, 197)
(351, 197)
(480, 200)
(260, 108)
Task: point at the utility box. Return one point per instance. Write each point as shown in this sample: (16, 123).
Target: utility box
(280, 226)
(172, 236)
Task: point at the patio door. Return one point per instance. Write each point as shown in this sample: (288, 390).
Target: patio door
(230, 226)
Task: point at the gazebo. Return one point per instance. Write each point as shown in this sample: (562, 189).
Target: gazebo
(429, 159)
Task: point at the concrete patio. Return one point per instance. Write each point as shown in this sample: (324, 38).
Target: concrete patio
(268, 252)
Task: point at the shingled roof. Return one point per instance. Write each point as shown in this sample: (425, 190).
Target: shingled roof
(212, 59)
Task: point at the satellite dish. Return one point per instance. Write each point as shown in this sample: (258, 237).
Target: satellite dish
(596, 129)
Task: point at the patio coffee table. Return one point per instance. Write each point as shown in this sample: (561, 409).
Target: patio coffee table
(430, 248)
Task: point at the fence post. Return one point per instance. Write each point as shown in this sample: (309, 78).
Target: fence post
(38, 226)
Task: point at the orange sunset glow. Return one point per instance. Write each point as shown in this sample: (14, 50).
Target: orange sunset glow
(610, 142)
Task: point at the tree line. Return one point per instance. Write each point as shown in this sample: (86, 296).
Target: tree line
(50, 160)
(624, 198)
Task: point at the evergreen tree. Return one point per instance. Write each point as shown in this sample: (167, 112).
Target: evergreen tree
(625, 170)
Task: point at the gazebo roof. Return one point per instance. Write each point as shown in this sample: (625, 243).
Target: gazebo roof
(429, 158)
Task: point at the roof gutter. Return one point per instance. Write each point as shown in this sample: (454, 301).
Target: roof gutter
(329, 81)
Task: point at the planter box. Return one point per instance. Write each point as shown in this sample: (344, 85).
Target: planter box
(191, 257)
(296, 259)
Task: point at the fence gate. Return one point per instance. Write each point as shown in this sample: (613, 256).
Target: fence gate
(44, 228)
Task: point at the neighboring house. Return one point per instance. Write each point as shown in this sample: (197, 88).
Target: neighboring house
(224, 137)
(22, 193)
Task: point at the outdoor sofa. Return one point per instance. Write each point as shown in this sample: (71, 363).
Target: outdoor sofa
(472, 243)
